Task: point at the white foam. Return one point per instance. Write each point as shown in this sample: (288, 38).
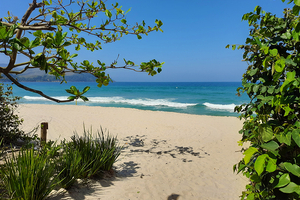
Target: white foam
(143, 102)
(31, 98)
(228, 107)
(121, 100)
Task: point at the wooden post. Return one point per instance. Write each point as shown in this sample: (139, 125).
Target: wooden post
(44, 127)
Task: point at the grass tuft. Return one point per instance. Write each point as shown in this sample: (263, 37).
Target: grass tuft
(29, 175)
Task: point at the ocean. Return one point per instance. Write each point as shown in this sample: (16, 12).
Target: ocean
(199, 98)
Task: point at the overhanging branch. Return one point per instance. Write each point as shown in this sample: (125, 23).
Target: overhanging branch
(35, 91)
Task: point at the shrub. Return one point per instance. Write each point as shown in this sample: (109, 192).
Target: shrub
(271, 118)
(98, 151)
(29, 175)
(86, 156)
(9, 122)
(69, 165)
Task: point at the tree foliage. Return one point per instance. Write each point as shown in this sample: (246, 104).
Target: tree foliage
(271, 118)
(49, 34)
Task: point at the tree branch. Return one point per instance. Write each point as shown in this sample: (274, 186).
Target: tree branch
(31, 8)
(32, 27)
(35, 91)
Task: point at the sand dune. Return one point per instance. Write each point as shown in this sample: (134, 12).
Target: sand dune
(166, 155)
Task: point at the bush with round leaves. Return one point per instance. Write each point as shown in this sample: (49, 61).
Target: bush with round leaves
(272, 117)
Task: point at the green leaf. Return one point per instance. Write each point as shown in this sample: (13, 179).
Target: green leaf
(280, 65)
(283, 180)
(84, 98)
(296, 136)
(108, 13)
(253, 72)
(124, 21)
(71, 97)
(290, 188)
(284, 138)
(286, 35)
(271, 146)
(256, 88)
(297, 2)
(296, 9)
(250, 196)
(293, 168)
(271, 165)
(259, 164)
(266, 132)
(263, 89)
(271, 90)
(257, 41)
(85, 89)
(249, 153)
(290, 76)
(273, 52)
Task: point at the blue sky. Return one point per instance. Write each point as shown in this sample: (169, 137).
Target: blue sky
(192, 44)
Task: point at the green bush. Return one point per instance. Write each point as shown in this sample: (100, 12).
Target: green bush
(69, 165)
(272, 117)
(29, 175)
(9, 122)
(86, 156)
(33, 174)
(98, 151)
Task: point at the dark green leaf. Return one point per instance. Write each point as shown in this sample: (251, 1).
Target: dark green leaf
(271, 146)
(84, 98)
(71, 97)
(85, 89)
(296, 136)
(296, 10)
(266, 132)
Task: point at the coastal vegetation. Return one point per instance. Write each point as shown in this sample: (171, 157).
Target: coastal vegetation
(9, 121)
(50, 33)
(31, 171)
(271, 118)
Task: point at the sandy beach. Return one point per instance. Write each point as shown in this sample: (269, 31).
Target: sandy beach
(165, 156)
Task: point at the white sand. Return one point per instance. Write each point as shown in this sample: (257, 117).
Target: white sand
(166, 155)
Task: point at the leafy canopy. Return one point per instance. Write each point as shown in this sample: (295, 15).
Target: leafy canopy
(49, 34)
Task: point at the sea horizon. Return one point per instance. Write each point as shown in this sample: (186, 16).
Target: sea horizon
(200, 98)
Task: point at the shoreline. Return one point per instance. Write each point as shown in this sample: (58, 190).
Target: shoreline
(164, 153)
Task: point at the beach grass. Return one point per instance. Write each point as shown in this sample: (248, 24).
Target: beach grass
(32, 173)
(27, 174)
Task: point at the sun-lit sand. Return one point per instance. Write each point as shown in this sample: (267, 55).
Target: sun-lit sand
(166, 155)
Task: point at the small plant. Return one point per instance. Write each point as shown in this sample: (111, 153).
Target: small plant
(99, 152)
(86, 156)
(108, 142)
(77, 94)
(29, 175)
(69, 165)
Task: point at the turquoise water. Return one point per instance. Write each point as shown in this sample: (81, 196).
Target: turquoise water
(200, 98)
